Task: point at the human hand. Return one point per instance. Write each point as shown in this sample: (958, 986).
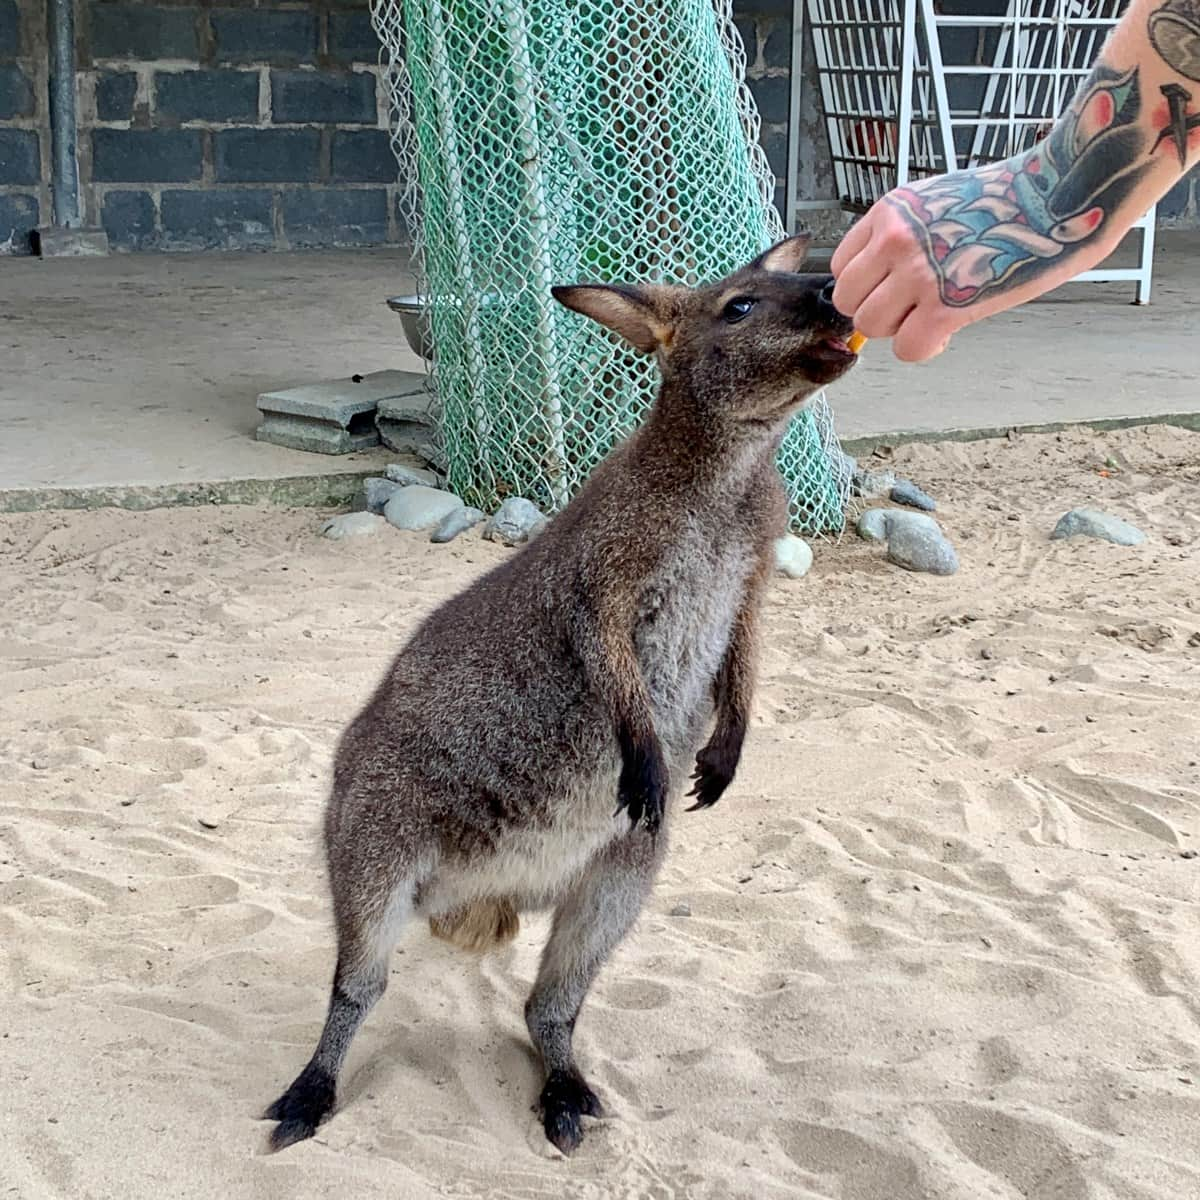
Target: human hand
(886, 284)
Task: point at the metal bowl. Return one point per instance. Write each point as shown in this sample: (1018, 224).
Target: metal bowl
(411, 311)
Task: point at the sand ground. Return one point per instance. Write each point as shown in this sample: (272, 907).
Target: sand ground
(943, 938)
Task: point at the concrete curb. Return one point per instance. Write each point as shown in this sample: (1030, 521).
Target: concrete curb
(862, 447)
(339, 490)
(299, 491)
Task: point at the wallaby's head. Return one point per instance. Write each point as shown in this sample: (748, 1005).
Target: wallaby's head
(751, 348)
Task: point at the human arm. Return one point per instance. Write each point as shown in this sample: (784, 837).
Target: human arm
(941, 253)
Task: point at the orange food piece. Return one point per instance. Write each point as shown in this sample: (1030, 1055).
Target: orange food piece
(856, 342)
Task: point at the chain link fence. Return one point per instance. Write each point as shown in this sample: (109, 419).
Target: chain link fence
(559, 141)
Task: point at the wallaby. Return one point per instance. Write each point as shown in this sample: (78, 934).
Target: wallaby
(520, 752)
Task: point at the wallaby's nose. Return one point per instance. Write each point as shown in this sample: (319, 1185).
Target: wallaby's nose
(825, 301)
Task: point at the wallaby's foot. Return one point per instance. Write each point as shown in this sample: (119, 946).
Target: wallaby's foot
(715, 767)
(302, 1107)
(565, 1099)
(642, 787)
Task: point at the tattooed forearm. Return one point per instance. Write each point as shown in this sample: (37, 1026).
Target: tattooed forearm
(996, 228)
(1175, 33)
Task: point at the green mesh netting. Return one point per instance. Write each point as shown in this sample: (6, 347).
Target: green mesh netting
(558, 141)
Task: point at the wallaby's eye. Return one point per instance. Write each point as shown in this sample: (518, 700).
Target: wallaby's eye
(738, 309)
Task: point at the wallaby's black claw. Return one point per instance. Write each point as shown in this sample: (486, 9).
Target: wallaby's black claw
(564, 1100)
(301, 1108)
(642, 787)
(710, 778)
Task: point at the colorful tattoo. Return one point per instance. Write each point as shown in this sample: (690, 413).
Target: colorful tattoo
(1175, 33)
(1180, 122)
(996, 228)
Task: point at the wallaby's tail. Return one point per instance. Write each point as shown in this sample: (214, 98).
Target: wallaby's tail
(478, 927)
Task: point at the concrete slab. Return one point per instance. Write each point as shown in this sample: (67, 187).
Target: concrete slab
(316, 436)
(60, 242)
(339, 401)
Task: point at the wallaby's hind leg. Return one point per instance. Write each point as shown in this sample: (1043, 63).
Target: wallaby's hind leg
(588, 924)
(366, 940)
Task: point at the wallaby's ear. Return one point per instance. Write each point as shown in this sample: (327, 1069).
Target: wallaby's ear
(629, 311)
(787, 255)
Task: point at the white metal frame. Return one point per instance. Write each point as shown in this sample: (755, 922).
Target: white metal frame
(885, 96)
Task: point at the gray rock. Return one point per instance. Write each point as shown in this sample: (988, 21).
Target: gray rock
(876, 523)
(456, 521)
(377, 492)
(355, 524)
(1091, 522)
(873, 484)
(516, 520)
(917, 546)
(793, 556)
(872, 525)
(907, 492)
(418, 507)
(408, 476)
(845, 466)
(681, 910)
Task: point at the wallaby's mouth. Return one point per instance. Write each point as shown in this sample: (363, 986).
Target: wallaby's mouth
(825, 360)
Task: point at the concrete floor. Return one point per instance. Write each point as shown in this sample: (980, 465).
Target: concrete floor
(1081, 353)
(142, 371)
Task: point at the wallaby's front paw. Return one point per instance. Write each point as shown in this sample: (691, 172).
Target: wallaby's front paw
(715, 767)
(642, 788)
(564, 1100)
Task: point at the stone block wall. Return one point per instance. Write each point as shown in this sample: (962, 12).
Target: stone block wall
(206, 124)
(221, 127)
(24, 122)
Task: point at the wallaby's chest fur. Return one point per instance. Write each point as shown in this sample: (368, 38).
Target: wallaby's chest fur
(685, 617)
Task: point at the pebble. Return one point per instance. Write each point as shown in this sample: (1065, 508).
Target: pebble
(873, 484)
(417, 507)
(209, 822)
(907, 492)
(408, 476)
(1091, 522)
(845, 466)
(872, 525)
(377, 492)
(876, 523)
(456, 521)
(355, 524)
(918, 544)
(793, 556)
(681, 910)
(516, 520)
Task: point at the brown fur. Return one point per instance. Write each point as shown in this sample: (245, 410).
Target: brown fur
(579, 678)
(478, 927)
